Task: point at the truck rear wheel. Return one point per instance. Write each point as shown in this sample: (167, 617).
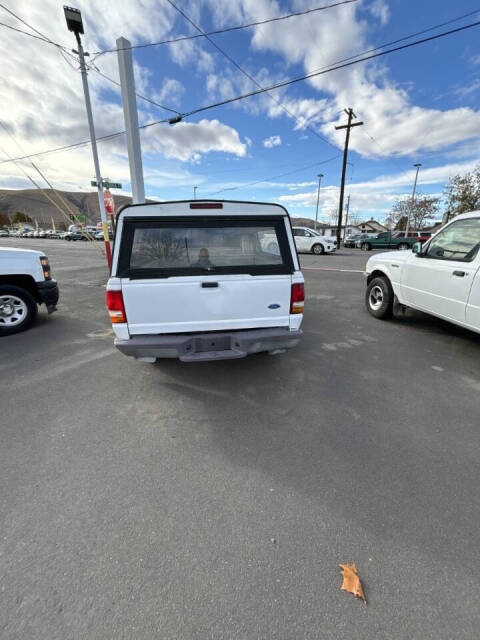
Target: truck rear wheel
(18, 309)
(379, 298)
(403, 246)
(366, 246)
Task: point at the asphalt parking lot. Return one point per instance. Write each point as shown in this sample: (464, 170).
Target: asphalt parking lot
(216, 500)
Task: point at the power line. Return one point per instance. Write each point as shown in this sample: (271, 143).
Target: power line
(285, 83)
(61, 199)
(26, 33)
(40, 35)
(92, 66)
(253, 93)
(64, 50)
(228, 29)
(392, 159)
(281, 175)
(402, 39)
(247, 75)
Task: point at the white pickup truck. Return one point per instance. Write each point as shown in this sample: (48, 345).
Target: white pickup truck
(441, 278)
(195, 280)
(25, 282)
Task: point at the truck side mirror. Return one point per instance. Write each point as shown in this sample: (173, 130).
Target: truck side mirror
(417, 248)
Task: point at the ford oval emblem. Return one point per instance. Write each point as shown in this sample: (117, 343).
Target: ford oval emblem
(274, 306)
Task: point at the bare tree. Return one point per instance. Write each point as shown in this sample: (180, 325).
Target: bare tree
(422, 211)
(463, 192)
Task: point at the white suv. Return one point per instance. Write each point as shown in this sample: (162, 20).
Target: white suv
(310, 241)
(204, 280)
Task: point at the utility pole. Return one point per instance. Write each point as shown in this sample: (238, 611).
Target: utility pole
(130, 114)
(320, 176)
(346, 217)
(410, 208)
(75, 24)
(347, 126)
(195, 193)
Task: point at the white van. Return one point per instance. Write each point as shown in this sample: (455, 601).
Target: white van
(194, 280)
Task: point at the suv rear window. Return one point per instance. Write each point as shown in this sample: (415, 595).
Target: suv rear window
(164, 247)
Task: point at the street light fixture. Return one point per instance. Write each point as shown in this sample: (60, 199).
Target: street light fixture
(417, 165)
(319, 176)
(74, 20)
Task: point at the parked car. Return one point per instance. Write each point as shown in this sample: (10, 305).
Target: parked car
(4, 233)
(420, 236)
(441, 277)
(25, 282)
(98, 235)
(311, 241)
(73, 236)
(386, 240)
(350, 240)
(192, 280)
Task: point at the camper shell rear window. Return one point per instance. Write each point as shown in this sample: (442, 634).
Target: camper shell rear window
(163, 247)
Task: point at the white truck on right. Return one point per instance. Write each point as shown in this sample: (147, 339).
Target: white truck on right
(441, 278)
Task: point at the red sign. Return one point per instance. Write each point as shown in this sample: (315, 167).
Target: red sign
(109, 202)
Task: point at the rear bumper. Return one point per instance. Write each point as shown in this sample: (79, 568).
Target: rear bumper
(218, 345)
(48, 294)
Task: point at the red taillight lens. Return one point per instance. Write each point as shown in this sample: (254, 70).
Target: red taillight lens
(297, 299)
(116, 309)
(206, 205)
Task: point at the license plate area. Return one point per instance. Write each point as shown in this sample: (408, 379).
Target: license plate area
(213, 343)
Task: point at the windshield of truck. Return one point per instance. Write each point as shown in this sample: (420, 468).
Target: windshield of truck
(184, 246)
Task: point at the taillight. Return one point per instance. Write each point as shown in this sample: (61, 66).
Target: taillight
(297, 299)
(116, 309)
(206, 205)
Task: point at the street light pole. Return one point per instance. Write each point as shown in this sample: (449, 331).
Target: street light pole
(75, 24)
(417, 165)
(195, 193)
(320, 176)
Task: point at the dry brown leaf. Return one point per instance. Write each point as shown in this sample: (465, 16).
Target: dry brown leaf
(351, 581)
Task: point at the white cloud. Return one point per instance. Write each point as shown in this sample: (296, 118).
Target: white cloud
(272, 141)
(375, 197)
(379, 9)
(188, 140)
(190, 53)
(379, 102)
(47, 103)
(248, 141)
(171, 92)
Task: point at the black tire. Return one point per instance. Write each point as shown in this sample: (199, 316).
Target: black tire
(28, 310)
(403, 246)
(68, 239)
(379, 298)
(366, 246)
(318, 249)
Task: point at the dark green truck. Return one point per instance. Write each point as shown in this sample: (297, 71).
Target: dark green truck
(387, 240)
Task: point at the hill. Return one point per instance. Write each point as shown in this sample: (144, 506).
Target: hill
(35, 204)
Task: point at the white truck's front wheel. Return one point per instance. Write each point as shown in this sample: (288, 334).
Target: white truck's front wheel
(18, 309)
(379, 298)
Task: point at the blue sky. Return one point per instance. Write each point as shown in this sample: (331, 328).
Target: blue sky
(418, 105)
